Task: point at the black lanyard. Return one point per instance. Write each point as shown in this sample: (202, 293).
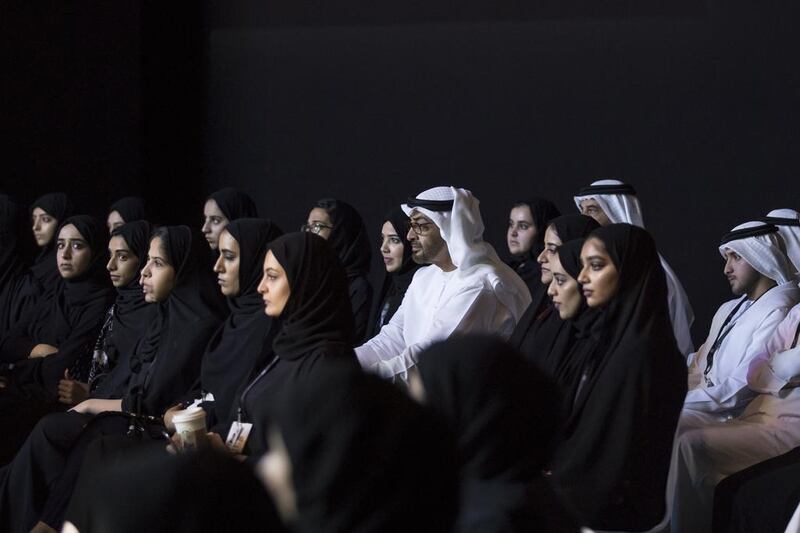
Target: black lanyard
(796, 335)
(252, 384)
(721, 337)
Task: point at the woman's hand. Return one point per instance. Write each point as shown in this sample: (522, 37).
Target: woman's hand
(42, 350)
(168, 417)
(86, 406)
(70, 391)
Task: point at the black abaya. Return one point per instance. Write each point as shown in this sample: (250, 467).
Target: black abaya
(613, 458)
(349, 239)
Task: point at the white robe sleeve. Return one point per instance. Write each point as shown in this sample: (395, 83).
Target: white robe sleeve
(734, 390)
(475, 309)
(780, 366)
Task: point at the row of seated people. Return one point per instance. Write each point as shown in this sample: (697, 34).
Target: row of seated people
(587, 300)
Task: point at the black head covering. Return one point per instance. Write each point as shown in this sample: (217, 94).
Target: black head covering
(238, 347)
(129, 208)
(569, 227)
(542, 211)
(318, 311)
(132, 314)
(364, 456)
(168, 361)
(613, 461)
(498, 405)
(348, 236)
(234, 203)
(96, 278)
(569, 254)
(395, 284)
(44, 269)
(173, 494)
(11, 264)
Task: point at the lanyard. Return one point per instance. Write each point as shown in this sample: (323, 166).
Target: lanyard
(267, 368)
(796, 335)
(721, 337)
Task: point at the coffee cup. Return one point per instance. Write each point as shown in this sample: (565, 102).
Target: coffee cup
(190, 426)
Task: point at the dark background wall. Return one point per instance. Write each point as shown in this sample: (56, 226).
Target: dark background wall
(695, 104)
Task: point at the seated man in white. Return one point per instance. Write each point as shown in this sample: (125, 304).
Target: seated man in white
(761, 277)
(611, 202)
(465, 289)
(788, 223)
(768, 427)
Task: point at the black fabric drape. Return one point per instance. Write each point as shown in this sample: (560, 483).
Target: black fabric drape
(12, 267)
(395, 284)
(359, 448)
(612, 462)
(349, 239)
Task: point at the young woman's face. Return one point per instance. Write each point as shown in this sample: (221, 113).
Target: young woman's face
(564, 290)
(158, 276)
(319, 222)
(123, 267)
(391, 247)
(274, 287)
(275, 471)
(551, 242)
(214, 221)
(114, 221)
(521, 231)
(227, 265)
(74, 255)
(44, 226)
(599, 277)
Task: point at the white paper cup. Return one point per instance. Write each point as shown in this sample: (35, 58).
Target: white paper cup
(190, 426)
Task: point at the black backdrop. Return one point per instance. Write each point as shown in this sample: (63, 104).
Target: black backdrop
(696, 105)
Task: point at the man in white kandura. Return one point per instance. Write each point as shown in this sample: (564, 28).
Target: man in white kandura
(611, 202)
(465, 289)
(753, 357)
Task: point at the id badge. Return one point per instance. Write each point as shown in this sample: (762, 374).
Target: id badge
(237, 436)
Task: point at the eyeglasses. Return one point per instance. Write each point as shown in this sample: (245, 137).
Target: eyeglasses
(419, 229)
(315, 228)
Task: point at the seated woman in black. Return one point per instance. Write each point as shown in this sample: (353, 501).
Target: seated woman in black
(500, 408)
(221, 208)
(400, 269)
(540, 330)
(125, 210)
(613, 454)
(350, 452)
(59, 335)
(342, 226)
(237, 348)
(527, 223)
(164, 366)
(305, 287)
(42, 279)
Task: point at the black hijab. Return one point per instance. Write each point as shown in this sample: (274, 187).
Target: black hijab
(365, 457)
(318, 310)
(238, 347)
(395, 284)
(540, 317)
(348, 236)
(542, 212)
(44, 270)
(234, 203)
(12, 267)
(612, 463)
(132, 314)
(168, 363)
(129, 208)
(165, 493)
(73, 319)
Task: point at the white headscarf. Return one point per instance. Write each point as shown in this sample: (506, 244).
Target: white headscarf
(764, 252)
(789, 231)
(617, 207)
(462, 230)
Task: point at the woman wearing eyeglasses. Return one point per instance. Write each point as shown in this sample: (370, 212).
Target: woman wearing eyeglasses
(343, 227)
